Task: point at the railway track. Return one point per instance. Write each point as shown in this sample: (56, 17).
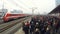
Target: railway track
(12, 20)
(6, 26)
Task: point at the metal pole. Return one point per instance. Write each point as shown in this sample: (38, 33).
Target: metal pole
(32, 11)
(3, 4)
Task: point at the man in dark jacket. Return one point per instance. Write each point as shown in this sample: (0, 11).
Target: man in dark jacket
(31, 27)
(26, 29)
(42, 27)
(33, 20)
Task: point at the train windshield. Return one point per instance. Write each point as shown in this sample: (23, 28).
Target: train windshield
(1, 14)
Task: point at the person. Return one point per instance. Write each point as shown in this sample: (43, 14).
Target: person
(26, 28)
(43, 27)
(36, 31)
(37, 25)
(48, 29)
(56, 25)
(31, 28)
(33, 20)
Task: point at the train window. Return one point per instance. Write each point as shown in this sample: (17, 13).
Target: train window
(13, 15)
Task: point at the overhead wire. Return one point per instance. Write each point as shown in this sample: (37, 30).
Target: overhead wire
(23, 3)
(7, 3)
(17, 4)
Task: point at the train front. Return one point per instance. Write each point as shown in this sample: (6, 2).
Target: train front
(1, 17)
(2, 14)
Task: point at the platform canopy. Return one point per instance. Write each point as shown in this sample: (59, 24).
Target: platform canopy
(56, 10)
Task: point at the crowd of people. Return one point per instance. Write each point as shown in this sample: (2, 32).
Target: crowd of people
(42, 25)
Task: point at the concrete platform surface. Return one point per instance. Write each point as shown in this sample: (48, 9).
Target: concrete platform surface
(20, 31)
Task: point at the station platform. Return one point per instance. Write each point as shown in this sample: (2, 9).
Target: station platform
(20, 31)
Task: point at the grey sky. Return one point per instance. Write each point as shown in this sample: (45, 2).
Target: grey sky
(57, 2)
(26, 5)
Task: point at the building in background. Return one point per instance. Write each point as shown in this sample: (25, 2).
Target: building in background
(3, 12)
(17, 12)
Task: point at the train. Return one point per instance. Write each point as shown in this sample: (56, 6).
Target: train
(6, 15)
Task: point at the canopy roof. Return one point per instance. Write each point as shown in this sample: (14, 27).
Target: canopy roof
(56, 10)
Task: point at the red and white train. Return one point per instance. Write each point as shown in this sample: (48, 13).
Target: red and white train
(6, 15)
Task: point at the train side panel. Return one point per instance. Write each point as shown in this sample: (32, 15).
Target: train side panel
(13, 16)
